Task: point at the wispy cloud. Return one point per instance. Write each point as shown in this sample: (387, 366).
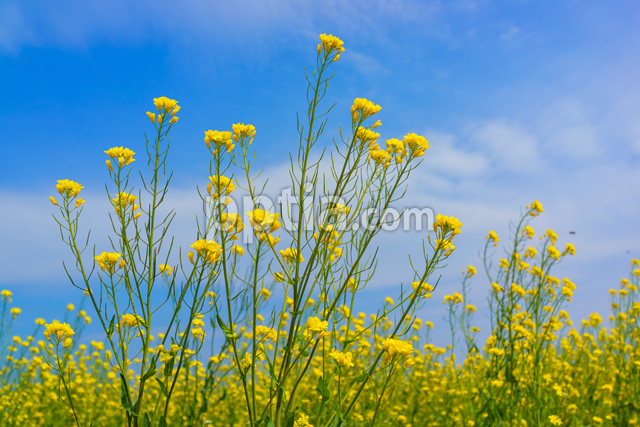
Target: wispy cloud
(72, 24)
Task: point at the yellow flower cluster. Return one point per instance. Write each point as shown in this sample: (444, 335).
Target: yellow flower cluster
(219, 139)
(232, 224)
(6, 294)
(343, 360)
(267, 332)
(493, 236)
(220, 184)
(68, 188)
(108, 261)
(416, 144)
(380, 157)
(262, 220)
(362, 109)
(448, 224)
(210, 250)
(291, 256)
(423, 289)
(397, 347)
(456, 298)
(535, 208)
(396, 148)
(317, 326)
(367, 136)
(165, 268)
(57, 332)
(165, 106)
(331, 44)
(122, 154)
(123, 201)
(338, 210)
(131, 320)
(240, 130)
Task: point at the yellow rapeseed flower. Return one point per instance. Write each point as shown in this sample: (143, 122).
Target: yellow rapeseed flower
(380, 157)
(471, 271)
(123, 201)
(317, 326)
(241, 130)
(68, 188)
(210, 250)
(108, 261)
(343, 360)
(363, 109)
(57, 332)
(290, 255)
(262, 220)
(528, 231)
(397, 148)
(219, 139)
(302, 421)
(130, 320)
(124, 155)
(220, 184)
(165, 268)
(555, 420)
(6, 294)
(569, 249)
(416, 143)
(166, 106)
(536, 208)
(394, 346)
(330, 44)
(267, 332)
(554, 252)
(493, 236)
(367, 136)
(447, 224)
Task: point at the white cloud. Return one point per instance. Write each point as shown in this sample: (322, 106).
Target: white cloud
(509, 145)
(446, 158)
(78, 24)
(568, 131)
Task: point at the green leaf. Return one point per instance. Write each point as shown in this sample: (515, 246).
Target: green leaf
(162, 387)
(222, 325)
(150, 372)
(111, 326)
(272, 372)
(147, 421)
(361, 377)
(288, 419)
(268, 422)
(163, 421)
(168, 367)
(323, 390)
(124, 398)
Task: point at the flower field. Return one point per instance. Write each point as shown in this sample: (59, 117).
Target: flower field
(265, 333)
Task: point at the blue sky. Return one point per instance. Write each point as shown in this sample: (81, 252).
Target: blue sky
(521, 100)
